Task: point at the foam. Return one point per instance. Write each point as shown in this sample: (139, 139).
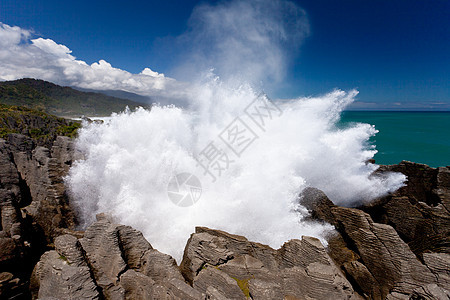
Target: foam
(132, 157)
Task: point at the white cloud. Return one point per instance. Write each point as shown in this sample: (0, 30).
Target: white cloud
(242, 41)
(49, 46)
(21, 56)
(149, 72)
(11, 35)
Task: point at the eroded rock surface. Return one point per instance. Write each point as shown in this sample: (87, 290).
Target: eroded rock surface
(300, 269)
(397, 247)
(219, 266)
(34, 207)
(419, 212)
(112, 260)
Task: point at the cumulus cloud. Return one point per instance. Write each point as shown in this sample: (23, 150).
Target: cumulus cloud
(50, 47)
(21, 56)
(243, 41)
(12, 35)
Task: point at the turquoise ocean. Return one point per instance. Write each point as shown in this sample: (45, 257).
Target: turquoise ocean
(422, 137)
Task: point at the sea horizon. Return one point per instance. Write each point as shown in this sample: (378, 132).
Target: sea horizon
(418, 136)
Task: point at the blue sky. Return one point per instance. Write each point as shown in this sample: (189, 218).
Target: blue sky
(396, 53)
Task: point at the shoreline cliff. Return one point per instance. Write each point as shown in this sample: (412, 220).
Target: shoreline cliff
(397, 247)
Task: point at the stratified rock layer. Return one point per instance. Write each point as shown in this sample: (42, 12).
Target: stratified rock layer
(111, 261)
(34, 207)
(397, 247)
(419, 212)
(299, 269)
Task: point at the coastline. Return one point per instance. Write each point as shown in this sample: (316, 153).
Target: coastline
(408, 229)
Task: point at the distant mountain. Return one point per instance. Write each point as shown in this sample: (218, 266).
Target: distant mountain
(60, 101)
(120, 94)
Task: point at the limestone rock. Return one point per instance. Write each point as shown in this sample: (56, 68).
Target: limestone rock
(439, 265)
(112, 249)
(363, 278)
(55, 277)
(430, 292)
(159, 266)
(318, 204)
(422, 226)
(316, 282)
(180, 290)
(140, 287)
(421, 180)
(299, 268)
(43, 174)
(70, 248)
(310, 272)
(302, 253)
(339, 250)
(386, 256)
(133, 244)
(409, 258)
(419, 212)
(101, 244)
(442, 189)
(211, 277)
(246, 266)
(266, 289)
(216, 247)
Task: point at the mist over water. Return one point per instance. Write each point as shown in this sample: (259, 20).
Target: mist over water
(251, 41)
(131, 159)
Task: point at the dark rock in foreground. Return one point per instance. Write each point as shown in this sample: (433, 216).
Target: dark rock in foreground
(116, 262)
(34, 206)
(397, 247)
(111, 261)
(299, 269)
(420, 211)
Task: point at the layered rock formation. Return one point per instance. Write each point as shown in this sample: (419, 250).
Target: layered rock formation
(419, 212)
(115, 262)
(34, 206)
(394, 248)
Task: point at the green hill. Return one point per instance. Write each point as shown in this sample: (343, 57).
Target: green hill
(40, 126)
(61, 101)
